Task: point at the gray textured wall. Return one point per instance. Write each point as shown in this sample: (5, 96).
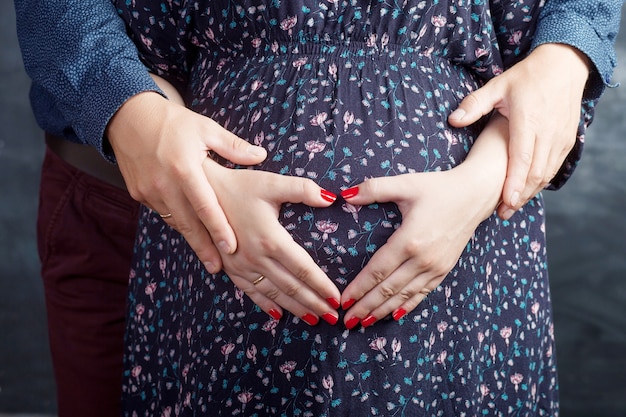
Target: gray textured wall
(587, 250)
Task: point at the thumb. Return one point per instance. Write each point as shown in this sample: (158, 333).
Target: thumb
(478, 104)
(287, 189)
(380, 190)
(233, 148)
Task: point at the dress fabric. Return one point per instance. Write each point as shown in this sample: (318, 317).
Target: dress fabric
(340, 91)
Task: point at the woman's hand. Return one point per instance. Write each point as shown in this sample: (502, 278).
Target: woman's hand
(440, 212)
(541, 97)
(160, 147)
(291, 279)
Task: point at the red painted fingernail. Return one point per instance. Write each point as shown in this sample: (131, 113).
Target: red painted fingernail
(352, 322)
(310, 319)
(350, 192)
(368, 321)
(328, 196)
(398, 314)
(333, 302)
(348, 303)
(275, 314)
(330, 319)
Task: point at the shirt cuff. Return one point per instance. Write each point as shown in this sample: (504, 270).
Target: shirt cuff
(574, 30)
(106, 95)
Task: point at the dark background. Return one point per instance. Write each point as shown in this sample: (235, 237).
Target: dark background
(586, 233)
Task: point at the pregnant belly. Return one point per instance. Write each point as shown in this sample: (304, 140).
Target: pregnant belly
(336, 122)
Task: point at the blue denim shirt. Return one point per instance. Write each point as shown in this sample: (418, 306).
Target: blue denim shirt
(84, 66)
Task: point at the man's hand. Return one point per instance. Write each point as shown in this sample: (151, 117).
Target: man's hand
(160, 147)
(541, 97)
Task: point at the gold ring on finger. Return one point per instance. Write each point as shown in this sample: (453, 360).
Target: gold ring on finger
(425, 291)
(166, 216)
(259, 279)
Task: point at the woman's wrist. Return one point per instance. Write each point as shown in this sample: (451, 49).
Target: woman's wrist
(484, 170)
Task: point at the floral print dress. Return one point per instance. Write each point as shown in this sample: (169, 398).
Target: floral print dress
(339, 91)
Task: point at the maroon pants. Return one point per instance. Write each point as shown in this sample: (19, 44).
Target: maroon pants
(86, 230)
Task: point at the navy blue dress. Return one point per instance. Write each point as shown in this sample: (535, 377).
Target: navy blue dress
(339, 91)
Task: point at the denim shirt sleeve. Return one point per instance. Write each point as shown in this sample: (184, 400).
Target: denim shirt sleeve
(591, 27)
(82, 64)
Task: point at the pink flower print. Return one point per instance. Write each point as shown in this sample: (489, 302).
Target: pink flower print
(162, 265)
(227, 349)
(484, 390)
(185, 371)
(493, 351)
(452, 139)
(379, 344)
(535, 247)
(396, 345)
(384, 39)
(209, 34)
(481, 337)
(371, 40)
(505, 333)
(150, 289)
(328, 383)
(255, 117)
(286, 368)
(251, 353)
(256, 42)
(480, 52)
(348, 119)
(167, 412)
(239, 295)
(326, 227)
(298, 63)
(438, 21)
(288, 24)
(314, 146)
(270, 326)
(146, 41)
(422, 32)
(332, 70)
(516, 379)
(244, 397)
(139, 309)
(256, 84)
(259, 138)
(319, 119)
(220, 64)
(441, 358)
(535, 308)
(352, 209)
(442, 326)
(515, 38)
(136, 371)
